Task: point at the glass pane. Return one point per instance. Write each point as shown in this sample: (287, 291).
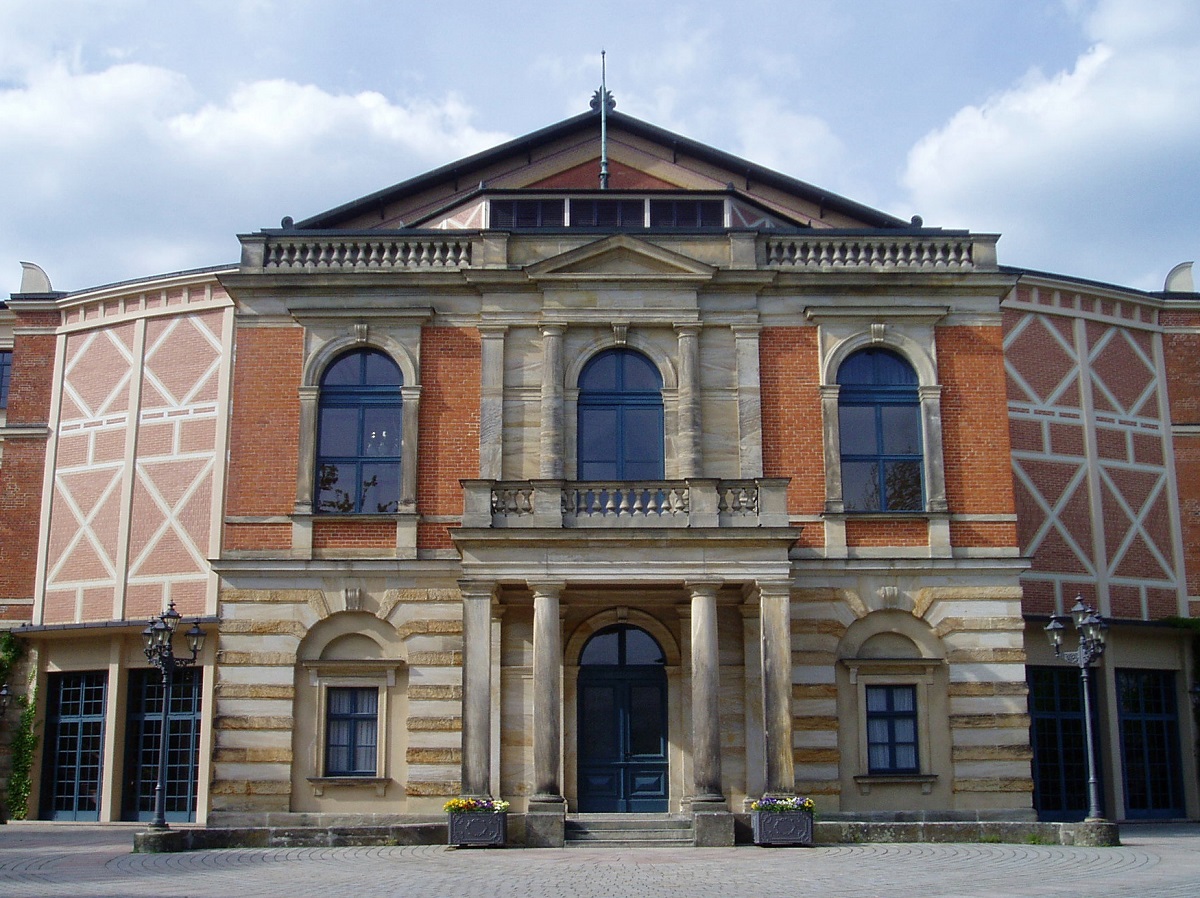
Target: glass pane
(876, 698)
(598, 729)
(336, 488)
(341, 701)
(903, 481)
(906, 757)
(906, 729)
(381, 431)
(877, 730)
(645, 720)
(597, 443)
(338, 431)
(901, 429)
(892, 370)
(860, 486)
(856, 428)
(640, 373)
(368, 702)
(601, 649)
(641, 648)
(878, 757)
(600, 373)
(345, 372)
(643, 432)
(380, 488)
(904, 698)
(381, 371)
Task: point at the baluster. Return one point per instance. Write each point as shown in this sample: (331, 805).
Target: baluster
(638, 508)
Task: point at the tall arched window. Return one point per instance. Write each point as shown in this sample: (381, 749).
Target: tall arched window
(620, 418)
(879, 423)
(358, 435)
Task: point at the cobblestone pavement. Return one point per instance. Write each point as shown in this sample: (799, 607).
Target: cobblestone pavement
(48, 860)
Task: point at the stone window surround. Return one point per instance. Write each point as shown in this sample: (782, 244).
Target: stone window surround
(323, 675)
(910, 333)
(916, 672)
(401, 342)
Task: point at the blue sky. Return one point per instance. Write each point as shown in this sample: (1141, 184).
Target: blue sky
(139, 137)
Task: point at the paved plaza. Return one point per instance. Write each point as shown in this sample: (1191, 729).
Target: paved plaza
(41, 860)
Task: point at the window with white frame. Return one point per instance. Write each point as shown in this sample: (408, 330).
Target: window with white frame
(5, 375)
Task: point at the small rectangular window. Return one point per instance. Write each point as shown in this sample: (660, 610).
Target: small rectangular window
(892, 729)
(5, 375)
(592, 213)
(351, 731)
(527, 213)
(687, 213)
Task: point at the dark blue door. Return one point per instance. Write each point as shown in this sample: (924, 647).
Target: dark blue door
(622, 723)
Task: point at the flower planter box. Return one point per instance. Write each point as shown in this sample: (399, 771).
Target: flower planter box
(782, 827)
(478, 830)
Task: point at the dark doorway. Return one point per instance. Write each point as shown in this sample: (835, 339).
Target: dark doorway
(74, 745)
(1060, 779)
(622, 723)
(142, 742)
(1150, 753)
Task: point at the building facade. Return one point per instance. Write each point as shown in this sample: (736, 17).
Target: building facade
(653, 498)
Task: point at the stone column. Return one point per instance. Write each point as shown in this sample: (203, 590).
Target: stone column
(551, 466)
(689, 401)
(547, 692)
(477, 687)
(706, 729)
(546, 821)
(491, 404)
(775, 603)
(749, 400)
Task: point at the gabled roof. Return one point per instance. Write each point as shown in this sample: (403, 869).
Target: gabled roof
(564, 156)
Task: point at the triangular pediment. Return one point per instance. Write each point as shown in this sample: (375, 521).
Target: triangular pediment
(620, 257)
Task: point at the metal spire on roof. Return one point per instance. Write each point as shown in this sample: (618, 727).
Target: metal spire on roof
(604, 100)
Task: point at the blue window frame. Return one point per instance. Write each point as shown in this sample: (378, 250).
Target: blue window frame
(351, 731)
(5, 375)
(620, 433)
(358, 435)
(879, 424)
(892, 729)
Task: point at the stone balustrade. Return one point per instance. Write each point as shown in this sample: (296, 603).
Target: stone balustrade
(376, 252)
(905, 253)
(692, 502)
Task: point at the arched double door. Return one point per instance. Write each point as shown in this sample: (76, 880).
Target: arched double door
(622, 705)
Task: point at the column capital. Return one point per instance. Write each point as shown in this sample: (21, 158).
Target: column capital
(690, 329)
(477, 589)
(552, 588)
(552, 328)
(773, 588)
(703, 587)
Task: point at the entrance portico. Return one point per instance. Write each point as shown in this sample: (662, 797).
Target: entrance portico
(688, 588)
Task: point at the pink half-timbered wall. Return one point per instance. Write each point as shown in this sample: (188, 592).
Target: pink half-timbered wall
(1091, 454)
(135, 459)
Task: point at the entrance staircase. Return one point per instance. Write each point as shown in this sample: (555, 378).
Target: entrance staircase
(629, 831)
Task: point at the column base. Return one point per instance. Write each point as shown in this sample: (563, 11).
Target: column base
(546, 822)
(714, 829)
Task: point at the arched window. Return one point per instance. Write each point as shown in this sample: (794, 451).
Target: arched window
(620, 434)
(879, 423)
(358, 435)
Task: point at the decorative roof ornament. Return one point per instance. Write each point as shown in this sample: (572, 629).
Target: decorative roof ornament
(604, 105)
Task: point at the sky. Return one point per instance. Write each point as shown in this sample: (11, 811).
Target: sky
(140, 137)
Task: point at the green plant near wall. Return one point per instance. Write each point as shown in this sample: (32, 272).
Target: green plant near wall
(23, 742)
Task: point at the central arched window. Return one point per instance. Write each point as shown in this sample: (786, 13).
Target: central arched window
(358, 435)
(620, 434)
(879, 424)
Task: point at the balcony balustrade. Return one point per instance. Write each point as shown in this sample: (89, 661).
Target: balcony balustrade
(625, 504)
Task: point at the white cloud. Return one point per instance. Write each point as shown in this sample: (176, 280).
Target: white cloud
(127, 173)
(1064, 164)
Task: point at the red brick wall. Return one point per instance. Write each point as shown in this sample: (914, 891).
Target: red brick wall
(1182, 354)
(265, 423)
(975, 436)
(23, 466)
(448, 429)
(791, 417)
(874, 532)
(347, 533)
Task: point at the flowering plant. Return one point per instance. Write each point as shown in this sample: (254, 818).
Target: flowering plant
(792, 803)
(476, 806)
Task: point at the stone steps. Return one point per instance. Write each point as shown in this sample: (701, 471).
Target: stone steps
(628, 831)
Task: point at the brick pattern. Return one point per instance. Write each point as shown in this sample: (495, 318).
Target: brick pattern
(354, 534)
(265, 425)
(791, 415)
(870, 532)
(23, 469)
(448, 430)
(1066, 463)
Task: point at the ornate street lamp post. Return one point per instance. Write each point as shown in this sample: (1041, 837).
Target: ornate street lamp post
(157, 641)
(1093, 631)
